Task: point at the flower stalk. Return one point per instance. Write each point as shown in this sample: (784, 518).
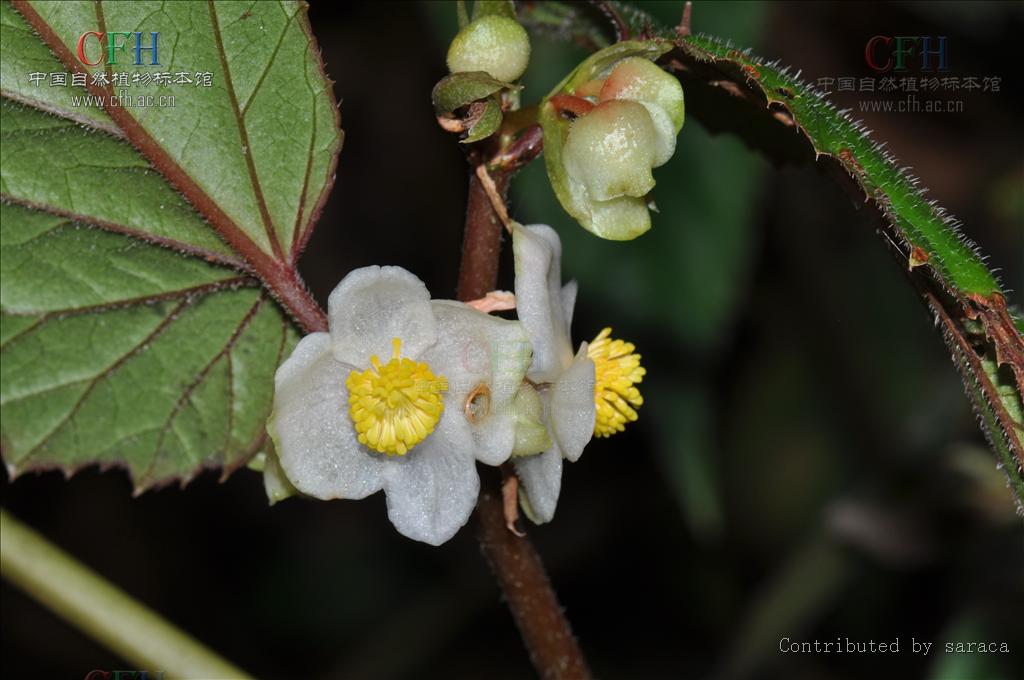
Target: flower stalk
(516, 565)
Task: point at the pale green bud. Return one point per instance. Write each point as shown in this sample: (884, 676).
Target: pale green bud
(611, 150)
(637, 79)
(497, 45)
(619, 219)
(640, 80)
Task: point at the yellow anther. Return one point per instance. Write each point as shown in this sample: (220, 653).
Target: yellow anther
(617, 370)
(394, 406)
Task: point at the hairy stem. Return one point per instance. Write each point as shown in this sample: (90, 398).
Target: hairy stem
(481, 241)
(516, 565)
(96, 607)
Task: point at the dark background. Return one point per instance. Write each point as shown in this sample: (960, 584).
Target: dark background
(806, 464)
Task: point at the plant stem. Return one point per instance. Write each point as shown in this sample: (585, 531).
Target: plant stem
(91, 604)
(517, 567)
(481, 242)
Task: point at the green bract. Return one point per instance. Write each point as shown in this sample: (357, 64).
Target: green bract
(455, 95)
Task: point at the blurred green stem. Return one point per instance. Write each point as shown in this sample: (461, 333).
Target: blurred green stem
(98, 608)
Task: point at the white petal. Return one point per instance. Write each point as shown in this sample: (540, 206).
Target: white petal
(572, 406)
(432, 490)
(540, 478)
(538, 253)
(494, 439)
(372, 306)
(569, 291)
(315, 442)
(474, 349)
(275, 482)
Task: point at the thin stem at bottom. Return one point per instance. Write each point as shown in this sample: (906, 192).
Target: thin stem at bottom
(102, 611)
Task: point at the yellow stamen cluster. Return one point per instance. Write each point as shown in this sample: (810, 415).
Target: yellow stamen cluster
(618, 369)
(395, 406)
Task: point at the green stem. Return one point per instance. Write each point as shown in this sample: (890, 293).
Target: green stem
(91, 604)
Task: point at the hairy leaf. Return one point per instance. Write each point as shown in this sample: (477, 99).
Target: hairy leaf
(143, 245)
(233, 140)
(732, 90)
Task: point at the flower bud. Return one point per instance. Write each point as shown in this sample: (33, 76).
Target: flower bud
(637, 79)
(611, 150)
(494, 44)
(606, 126)
(619, 219)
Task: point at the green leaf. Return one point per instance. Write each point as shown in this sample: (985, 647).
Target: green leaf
(121, 352)
(765, 104)
(965, 296)
(142, 247)
(54, 164)
(29, 55)
(231, 142)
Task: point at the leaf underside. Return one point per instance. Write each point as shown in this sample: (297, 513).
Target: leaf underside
(731, 90)
(136, 327)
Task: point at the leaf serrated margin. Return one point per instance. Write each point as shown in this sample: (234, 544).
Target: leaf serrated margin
(944, 265)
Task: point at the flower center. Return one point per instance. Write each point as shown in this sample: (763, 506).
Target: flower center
(617, 370)
(395, 406)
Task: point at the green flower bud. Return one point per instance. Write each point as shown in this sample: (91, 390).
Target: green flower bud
(606, 125)
(497, 45)
(619, 219)
(611, 150)
(637, 79)
(641, 80)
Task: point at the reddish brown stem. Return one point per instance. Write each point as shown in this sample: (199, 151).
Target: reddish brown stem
(290, 290)
(516, 565)
(481, 241)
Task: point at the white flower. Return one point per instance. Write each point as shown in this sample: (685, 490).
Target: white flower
(403, 394)
(565, 378)
(590, 393)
